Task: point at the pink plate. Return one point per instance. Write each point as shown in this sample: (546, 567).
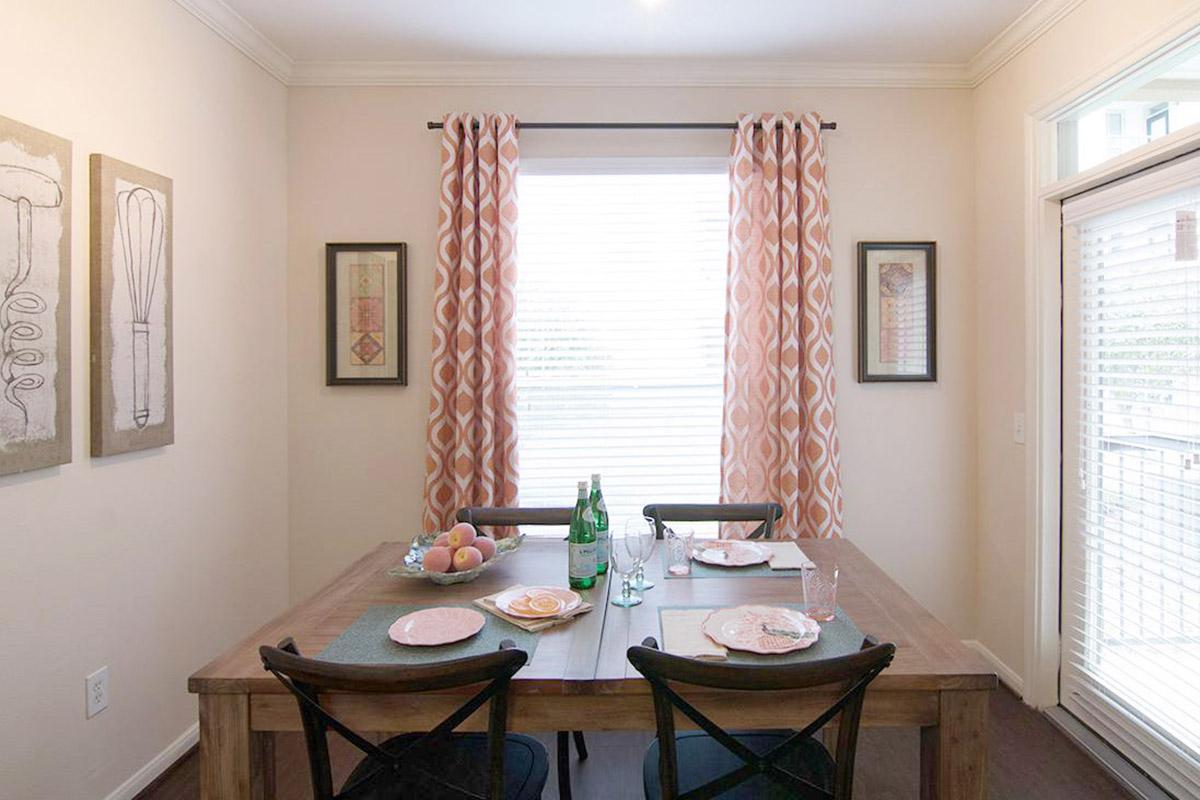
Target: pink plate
(761, 629)
(731, 553)
(433, 626)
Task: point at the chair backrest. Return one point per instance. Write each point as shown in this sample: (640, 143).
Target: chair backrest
(851, 674)
(308, 678)
(764, 513)
(498, 517)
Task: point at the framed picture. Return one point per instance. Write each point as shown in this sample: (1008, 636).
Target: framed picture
(365, 313)
(897, 331)
(133, 392)
(35, 298)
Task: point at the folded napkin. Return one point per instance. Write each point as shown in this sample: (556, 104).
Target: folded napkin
(532, 625)
(787, 555)
(682, 635)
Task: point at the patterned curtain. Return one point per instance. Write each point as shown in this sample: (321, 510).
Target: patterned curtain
(779, 440)
(472, 437)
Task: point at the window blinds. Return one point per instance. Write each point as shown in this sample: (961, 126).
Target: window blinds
(620, 330)
(1131, 471)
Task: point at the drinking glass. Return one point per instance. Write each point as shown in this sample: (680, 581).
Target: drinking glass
(679, 551)
(623, 562)
(820, 591)
(642, 536)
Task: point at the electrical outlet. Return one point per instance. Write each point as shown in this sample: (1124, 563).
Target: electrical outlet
(97, 692)
(1019, 428)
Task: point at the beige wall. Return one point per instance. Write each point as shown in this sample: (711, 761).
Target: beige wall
(362, 167)
(1080, 45)
(152, 562)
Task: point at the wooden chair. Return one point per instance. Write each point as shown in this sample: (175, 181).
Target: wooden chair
(767, 514)
(494, 516)
(496, 765)
(754, 765)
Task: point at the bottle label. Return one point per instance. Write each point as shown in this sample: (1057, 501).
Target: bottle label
(581, 560)
(602, 542)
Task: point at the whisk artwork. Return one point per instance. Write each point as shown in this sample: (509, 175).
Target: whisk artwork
(132, 402)
(35, 275)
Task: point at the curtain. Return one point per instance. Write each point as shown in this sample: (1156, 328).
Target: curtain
(472, 435)
(779, 437)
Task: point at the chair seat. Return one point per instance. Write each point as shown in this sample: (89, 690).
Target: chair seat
(461, 761)
(702, 759)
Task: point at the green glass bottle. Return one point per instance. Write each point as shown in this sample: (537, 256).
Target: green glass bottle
(600, 515)
(581, 543)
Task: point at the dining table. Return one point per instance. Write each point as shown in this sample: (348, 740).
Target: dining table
(578, 677)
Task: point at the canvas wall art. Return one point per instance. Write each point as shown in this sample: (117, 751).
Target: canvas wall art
(133, 403)
(35, 307)
(897, 331)
(365, 314)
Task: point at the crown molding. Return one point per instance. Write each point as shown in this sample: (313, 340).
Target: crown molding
(233, 28)
(624, 73)
(1024, 31)
(1020, 34)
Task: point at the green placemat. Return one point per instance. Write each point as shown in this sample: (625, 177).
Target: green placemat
(366, 641)
(839, 637)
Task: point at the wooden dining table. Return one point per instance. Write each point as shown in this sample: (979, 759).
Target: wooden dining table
(579, 678)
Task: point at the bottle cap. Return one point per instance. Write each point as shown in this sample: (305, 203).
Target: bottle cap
(595, 477)
(582, 485)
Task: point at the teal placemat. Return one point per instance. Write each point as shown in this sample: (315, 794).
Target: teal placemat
(366, 641)
(839, 637)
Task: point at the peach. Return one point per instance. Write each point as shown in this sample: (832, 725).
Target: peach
(462, 534)
(485, 546)
(443, 540)
(437, 559)
(466, 558)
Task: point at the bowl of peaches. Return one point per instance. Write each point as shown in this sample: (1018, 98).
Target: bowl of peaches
(458, 555)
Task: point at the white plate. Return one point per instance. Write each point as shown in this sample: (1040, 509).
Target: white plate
(570, 601)
(731, 553)
(761, 629)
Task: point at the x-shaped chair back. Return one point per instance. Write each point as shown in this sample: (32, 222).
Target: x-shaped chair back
(851, 674)
(307, 679)
(766, 514)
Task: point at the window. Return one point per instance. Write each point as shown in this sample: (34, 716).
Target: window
(1131, 470)
(620, 329)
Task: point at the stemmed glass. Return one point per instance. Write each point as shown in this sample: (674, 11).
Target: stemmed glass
(641, 536)
(624, 562)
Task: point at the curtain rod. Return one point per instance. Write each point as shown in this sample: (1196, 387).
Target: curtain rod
(644, 126)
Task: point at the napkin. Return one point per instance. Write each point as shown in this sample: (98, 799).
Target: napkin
(787, 555)
(532, 625)
(682, 635)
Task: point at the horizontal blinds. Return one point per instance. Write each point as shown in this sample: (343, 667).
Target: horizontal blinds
(620, 332)
(1131, 489)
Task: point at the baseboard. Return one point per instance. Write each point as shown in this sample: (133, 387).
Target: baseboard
(157, 765)
(1008, 675)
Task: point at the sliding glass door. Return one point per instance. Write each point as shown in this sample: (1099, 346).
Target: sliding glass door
(1131, 470)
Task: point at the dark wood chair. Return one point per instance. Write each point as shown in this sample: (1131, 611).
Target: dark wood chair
(754, 765)
(440, 763)
(497, 517)
(766, 514)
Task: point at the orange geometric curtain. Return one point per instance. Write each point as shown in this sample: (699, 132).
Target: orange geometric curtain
(779, 438)
(472, 438)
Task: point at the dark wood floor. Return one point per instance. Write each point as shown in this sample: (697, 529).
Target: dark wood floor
(1029, 759)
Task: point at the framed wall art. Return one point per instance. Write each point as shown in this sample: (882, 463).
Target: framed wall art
(35, 298)
(133, 395)
(897, 330)
(365, 314)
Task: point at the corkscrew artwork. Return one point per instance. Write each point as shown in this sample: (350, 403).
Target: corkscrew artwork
(141, 220)
(27, 189)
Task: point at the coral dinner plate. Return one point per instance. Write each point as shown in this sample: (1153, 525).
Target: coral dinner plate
(538, 602)
(731, 553)
(761, 629)
(433, 626)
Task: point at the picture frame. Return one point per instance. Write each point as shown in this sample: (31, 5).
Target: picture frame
(366, 318)
(897, 312)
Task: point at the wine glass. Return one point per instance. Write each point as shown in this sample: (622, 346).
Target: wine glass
(641, 535)
(624, 563)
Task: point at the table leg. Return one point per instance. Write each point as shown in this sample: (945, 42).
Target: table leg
(225, 745)
(954, 752)
(262, 766)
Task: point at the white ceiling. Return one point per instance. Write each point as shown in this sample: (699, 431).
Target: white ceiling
(826, 31)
